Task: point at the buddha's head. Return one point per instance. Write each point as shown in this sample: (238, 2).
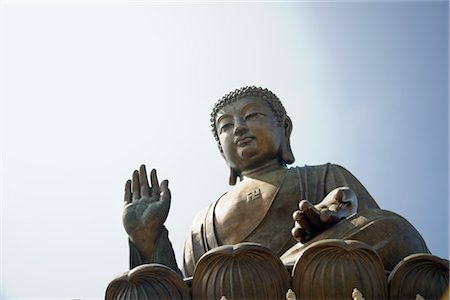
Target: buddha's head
(252, 129)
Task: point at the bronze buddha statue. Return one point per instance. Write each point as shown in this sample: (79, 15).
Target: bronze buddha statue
(282, 208)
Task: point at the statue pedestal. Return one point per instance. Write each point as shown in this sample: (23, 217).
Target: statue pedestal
(327, 269)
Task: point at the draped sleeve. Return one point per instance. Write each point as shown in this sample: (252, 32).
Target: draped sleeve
(322, 179)
(163, 254)
(194, 246)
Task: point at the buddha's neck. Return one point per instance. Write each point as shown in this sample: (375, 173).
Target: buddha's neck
(268, 167)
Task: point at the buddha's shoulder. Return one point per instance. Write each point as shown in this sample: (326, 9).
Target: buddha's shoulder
(326, 167)
(250, 184)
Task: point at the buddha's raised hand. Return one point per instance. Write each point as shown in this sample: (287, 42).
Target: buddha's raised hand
(311, 220)
(146, 209)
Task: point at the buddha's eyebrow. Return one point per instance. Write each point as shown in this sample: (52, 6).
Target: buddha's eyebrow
(224, 116)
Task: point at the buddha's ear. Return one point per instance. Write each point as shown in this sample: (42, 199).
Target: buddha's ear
(286, 152)
(233, 176)
(233, 173)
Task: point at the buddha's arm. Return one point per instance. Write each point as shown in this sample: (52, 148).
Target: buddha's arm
(334, 194)
(163, 253)
(146, 209)
(338, 176)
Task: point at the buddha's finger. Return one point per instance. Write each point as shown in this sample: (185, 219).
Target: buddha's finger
(135, 186)
(145, 188)
(298, 234)
(302, 203)
(313, 216)
(165, 193)
(127, 198)
(303, 236)
(155, 183)
(296, 215)
(295, 232)
(307, 226)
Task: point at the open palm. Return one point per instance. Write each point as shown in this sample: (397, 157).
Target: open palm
(146, 207)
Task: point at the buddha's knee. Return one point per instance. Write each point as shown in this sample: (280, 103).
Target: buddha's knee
(391, 235)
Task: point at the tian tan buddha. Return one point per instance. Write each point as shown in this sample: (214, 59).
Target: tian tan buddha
(282, 208)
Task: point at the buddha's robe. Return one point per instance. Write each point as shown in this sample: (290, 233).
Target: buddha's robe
(260, 210)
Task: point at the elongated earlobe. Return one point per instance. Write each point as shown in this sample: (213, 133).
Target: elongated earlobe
(233, 173)
(233, 176)
(286, 152)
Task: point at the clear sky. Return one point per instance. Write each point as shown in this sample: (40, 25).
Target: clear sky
(89, 91)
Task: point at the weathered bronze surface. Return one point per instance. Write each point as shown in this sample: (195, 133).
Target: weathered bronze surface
(332, 269)
(284, 209)
(419, 274)
(148, 281)
(242, 271)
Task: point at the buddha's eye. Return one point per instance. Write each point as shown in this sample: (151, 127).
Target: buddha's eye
(254, 115)
(225, 127)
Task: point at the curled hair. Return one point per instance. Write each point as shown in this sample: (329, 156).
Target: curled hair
(264, 94)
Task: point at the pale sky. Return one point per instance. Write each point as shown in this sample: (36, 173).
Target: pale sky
(91, 90)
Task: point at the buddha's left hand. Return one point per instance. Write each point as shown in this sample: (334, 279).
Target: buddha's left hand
(311, 220)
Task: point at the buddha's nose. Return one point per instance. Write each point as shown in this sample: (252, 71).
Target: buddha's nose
(240, 127)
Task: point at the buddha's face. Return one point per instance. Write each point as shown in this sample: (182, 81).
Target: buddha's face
(248, 133)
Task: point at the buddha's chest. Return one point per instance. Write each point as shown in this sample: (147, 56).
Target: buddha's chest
(240, 211)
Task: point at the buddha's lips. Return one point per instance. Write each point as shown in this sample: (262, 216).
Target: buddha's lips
(244, 140)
